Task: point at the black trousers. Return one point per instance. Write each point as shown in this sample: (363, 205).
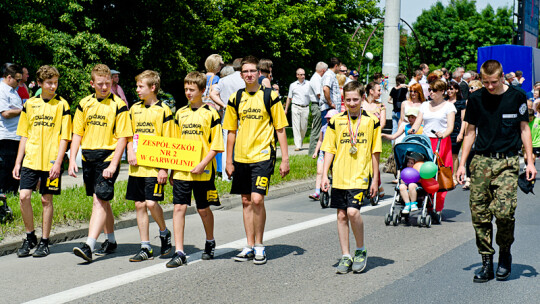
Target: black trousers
(8, 155)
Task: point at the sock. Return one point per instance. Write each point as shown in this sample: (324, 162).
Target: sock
(211, 241)
(45, 241)
(110, 237)
(180, 252)
(31, 236)
(318, 191)
(258, 248)
(361, 249)
(91, 243)
(164, 232)
(347, 256)
(146, 244)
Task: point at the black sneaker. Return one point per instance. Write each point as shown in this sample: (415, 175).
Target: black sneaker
(144, 254)
(84, 252)
(209, 249)
(107, 248)
(166, 245)
(42, 250)
(27, 245)
(177, 260)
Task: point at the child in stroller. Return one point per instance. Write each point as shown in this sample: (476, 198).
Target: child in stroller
(408, 192)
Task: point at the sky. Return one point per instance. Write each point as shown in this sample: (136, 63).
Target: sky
(411, 9)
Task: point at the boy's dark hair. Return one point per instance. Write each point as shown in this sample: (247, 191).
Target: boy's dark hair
(46, 72)
(11, 69)
(197, 78)
(491, 67)
(370, 86)
(237, 64)
(519, 73)
(264, 65)
(333, 62)
(151, 78)
(354, 86)
(249, 59)
(400, 79)
(377, 76)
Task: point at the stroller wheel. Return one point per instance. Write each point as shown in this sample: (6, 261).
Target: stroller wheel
(387, 219)
(374, 200)
(324, 199)
(428, 221)
(438, 217)
(395, 219)
(420, 221)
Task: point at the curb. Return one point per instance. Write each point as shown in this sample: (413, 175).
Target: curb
(130, 220)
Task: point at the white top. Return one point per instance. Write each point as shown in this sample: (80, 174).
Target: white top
(299, 93)
(315, 84)
(9, 99)
(436, 120)
(228, 85)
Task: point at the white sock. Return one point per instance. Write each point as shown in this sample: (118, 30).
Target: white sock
(347, 256)
(146, 244)
(110, 237)
(91, 243)
(361, 249)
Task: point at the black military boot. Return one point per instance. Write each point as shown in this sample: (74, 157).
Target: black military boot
(486, 272)
(505, 265)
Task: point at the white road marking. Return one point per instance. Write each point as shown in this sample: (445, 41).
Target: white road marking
(144, 273)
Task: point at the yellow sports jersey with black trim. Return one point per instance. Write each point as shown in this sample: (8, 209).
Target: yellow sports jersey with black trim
(157, 120)
(352, 171)
(101, 122)
(44, 123)
(204, 125)
(255, 137)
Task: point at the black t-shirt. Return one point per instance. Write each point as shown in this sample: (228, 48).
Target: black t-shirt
(460, 106)
(398, 96)
(498, 119)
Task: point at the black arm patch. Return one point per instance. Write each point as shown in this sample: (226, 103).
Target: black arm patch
(79, 108)
(122, 109)
(166, 119)
(332, 125)
(378, 124)
(66, 112)
(215, 122)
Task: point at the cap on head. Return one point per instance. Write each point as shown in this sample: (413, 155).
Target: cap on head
(331, 113)
(412, 111)
(354, 73)
(114, 72)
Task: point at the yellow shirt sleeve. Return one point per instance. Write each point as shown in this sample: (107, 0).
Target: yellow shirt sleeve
(278, 113)
(329, 141)
(78, 120)
(22, 127)
(123, 122)
(217, 133)
(231, 116)
(132, 123)
(67, 127)
(376, 145)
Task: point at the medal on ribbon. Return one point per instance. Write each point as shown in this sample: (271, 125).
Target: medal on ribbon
(353, 135)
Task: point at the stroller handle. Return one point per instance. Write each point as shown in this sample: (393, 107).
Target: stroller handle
(438, 141)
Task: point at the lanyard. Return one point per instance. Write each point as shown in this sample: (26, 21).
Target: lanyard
(353, 135)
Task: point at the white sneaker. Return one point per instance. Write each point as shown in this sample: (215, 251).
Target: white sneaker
(260, 255)
(407, 208)
(414, 206)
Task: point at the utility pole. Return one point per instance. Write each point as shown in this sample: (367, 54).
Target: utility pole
(390, 66)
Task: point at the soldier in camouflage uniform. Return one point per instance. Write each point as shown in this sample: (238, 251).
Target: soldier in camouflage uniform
(499, 113)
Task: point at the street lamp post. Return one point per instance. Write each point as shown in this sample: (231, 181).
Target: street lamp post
(369, 57)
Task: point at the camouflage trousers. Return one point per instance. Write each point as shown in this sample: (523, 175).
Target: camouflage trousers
(493, 193)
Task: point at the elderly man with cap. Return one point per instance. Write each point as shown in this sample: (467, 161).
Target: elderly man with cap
(116, 89)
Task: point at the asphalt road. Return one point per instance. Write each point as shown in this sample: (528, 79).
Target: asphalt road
(406, 264)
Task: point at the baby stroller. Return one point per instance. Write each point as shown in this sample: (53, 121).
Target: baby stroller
(420, 144)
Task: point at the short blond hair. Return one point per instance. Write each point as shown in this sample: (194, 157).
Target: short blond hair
(491, 67)
(151, 78)
(341, 80)
(197, 78)
(100, 70)
(213, 63)
(46, 72)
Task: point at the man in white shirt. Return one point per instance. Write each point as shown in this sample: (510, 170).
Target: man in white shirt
(299, 96)
(314, 97)
(330, 93)
(10, 110)
(425, 70)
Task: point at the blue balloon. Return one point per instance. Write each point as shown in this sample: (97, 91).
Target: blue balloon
(410, 175)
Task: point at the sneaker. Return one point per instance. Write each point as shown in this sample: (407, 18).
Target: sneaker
(166, 245)
(143, 255)
(177, 260)
(315, 196)
(414, 206)
(359, 261)
(407, 208)
(260, 256)
(107, 248)
(42, 250)
(27, 245)
(209, 248)
(84, 252)
(246, 255)
(344, 265)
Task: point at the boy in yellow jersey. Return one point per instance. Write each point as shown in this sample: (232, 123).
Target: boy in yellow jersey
(145, 184)
(196, 121)
(252, 117)
(101, 127)
(45, 130)
(353, 144)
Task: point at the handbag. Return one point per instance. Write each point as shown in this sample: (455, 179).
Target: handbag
(444, 175)
(390, 165)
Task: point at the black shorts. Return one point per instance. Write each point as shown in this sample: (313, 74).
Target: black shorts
(249, 178)
(343, 199)
(536, 151)
(30, 179)
(205, 193)
(140, 189)
(95, 182)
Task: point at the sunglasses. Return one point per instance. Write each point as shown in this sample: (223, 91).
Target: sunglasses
(433, 90)
(343, 71)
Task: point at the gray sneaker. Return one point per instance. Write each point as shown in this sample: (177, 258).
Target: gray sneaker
(344, 265)
(359, 261)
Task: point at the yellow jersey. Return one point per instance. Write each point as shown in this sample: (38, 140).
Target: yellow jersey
(352, 170)
(157, 120)
(255, 140)
(44, 123)
(101, 123)
(202, 124)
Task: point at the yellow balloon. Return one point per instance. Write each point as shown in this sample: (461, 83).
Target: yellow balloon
(418, 165)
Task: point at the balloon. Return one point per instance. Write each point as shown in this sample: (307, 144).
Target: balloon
(418, 165)
(430, 185)
(428, 170)
(410, 175)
